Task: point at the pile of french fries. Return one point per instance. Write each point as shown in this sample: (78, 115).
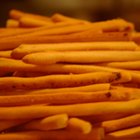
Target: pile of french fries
(64, 79)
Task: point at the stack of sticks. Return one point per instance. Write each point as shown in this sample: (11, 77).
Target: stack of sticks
(64, 79)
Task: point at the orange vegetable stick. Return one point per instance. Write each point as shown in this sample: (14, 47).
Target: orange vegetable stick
(17, 14)
(96, 134)
(86, 109)
(87, 36)
(7, 32)
(26, 21)
(67, 97)
(5, 54)
(95, 27)
(75, 124)
(61, 18)
(88, 88)
(44, 58)
(106, 138)
(133, 132)
(18, 65)
(25, 49)
(130, 65)
(122, 123)
(11, 23)
(11, 65)
(6, 124)
(54, 122)
(58, 81)
(28, 74)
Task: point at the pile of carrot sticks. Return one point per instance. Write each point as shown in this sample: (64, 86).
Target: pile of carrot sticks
(63, 78)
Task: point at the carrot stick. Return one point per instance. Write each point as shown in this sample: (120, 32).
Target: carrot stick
(11, 23)
(75, 28)
(111, 25)
(130, 65)
(5, 54)
(87, 109)
(26, 21)
(53, 81)
(75, 124)
(67, 97)
(75, 57)
(17, 65)
(95, 27)
(123, 123)
(61, 18)
(88, 36)
(7, 32)
(106, 138)
(17, 14)
(96, 134)
(6, 124)
(88, 88)
(28, 74)
(54, 122)
(126, 133)
(25, 49)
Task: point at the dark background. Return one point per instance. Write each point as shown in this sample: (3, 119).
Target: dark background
(93, 10)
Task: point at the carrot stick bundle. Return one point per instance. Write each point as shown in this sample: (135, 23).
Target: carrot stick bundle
(111, 25)
(64, 30)
(88, 88)
(95, 27)
(23, 32)
(9, 65)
